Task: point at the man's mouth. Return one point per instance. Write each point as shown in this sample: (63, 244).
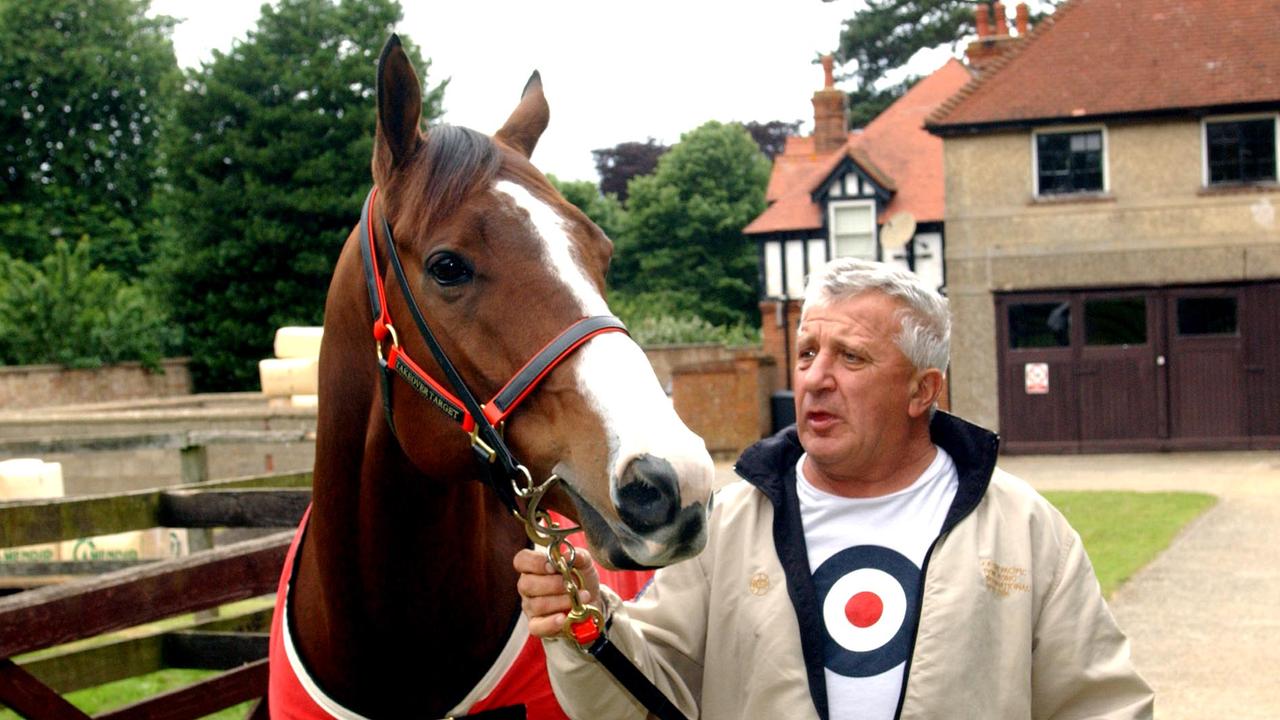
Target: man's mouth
(819, 420)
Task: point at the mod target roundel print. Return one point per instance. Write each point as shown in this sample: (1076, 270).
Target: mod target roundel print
(868, 598)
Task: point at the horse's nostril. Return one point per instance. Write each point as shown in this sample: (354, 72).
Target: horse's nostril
(648, 494)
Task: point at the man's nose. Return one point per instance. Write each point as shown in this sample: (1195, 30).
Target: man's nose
(817, 376)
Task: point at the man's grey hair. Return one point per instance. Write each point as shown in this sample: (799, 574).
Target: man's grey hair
(925, 337)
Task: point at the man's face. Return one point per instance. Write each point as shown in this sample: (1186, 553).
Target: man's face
(853, 387)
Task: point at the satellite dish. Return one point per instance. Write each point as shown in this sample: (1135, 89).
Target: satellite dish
(897, 231)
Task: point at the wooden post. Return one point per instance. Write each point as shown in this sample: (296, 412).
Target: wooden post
(31, 698)
(195, 468)
(195, 464)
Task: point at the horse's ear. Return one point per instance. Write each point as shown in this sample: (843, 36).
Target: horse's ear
(529, 119)
(399, 110)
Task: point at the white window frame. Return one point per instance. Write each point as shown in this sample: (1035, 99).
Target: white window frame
(1067, 130)
(1204, 142)
(832, 250)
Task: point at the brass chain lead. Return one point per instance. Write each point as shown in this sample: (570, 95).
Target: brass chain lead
(543, 530)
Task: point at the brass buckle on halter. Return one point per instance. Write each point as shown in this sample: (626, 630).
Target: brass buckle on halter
(483, 448)
(395, 342)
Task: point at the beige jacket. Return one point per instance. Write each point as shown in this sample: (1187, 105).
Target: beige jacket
(1012, 622)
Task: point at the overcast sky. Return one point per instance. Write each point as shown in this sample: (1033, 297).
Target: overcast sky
(613, 72)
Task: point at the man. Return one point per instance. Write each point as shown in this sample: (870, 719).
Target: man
(872, 563)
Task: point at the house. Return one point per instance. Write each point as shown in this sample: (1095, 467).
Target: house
(1113, 250)
(874, 193)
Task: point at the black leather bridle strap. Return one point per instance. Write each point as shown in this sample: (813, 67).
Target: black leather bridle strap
(537, 368)
(486, 430)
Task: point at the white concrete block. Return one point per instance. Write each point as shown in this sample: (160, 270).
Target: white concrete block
(28, 478)
(289, 376)
(298, 342)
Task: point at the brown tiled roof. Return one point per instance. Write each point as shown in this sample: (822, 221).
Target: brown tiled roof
(1115, 57)
(797, 172)
(894, 150)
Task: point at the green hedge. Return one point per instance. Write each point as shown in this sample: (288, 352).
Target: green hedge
(65, 311)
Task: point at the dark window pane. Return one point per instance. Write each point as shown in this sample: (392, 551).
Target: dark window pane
(1069, 162)
(1035, 325)
(1118, 321)
(1207, 316)
(1241, 151)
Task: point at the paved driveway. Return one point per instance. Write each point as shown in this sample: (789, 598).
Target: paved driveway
(1204, 617)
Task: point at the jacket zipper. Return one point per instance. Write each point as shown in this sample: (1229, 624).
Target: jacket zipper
(915, 631)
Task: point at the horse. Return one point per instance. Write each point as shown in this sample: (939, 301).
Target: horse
(399, 596)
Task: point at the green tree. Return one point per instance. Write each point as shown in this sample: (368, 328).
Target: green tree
(866, 103)
(684, 252)
(882, 37)
(64, 310)
(269, 165)
(85, 91)
(603, 209)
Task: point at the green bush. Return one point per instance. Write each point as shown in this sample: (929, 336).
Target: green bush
(65, 311)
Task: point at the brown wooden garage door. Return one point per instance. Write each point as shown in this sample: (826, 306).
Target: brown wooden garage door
(1140, 368)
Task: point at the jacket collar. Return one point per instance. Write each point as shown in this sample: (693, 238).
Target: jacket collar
(770, 463)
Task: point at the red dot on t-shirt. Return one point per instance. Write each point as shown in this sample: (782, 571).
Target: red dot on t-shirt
(864, 609)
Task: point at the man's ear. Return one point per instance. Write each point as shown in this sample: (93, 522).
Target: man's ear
(528, 120)
(399, 110)
(926, 388)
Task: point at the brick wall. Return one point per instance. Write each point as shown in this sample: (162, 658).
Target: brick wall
(666, 358)
(726, 401)
(32, 386)
(779, 339)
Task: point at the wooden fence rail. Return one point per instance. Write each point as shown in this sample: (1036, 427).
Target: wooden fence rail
(266, 501)
(86, 608)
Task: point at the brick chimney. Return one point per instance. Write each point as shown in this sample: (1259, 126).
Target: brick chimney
(994, 40)
(830, 108)
(982, 18)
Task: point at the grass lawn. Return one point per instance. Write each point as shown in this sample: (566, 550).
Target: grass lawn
(123, 692)
(1123, 531)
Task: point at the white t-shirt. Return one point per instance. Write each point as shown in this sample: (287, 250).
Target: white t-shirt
(866, 554)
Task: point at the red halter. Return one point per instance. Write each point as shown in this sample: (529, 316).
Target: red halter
(479, 420)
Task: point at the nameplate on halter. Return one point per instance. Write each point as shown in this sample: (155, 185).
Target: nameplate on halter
(424, 388)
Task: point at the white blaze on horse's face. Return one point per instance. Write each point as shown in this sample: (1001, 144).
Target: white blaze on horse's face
(660, 473)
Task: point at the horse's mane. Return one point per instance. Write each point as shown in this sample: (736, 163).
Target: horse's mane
(457, 160)
(450, 165)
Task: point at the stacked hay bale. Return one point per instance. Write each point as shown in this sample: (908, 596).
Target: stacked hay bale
(290, 378)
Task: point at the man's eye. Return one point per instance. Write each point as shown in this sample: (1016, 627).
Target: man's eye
(447, 269)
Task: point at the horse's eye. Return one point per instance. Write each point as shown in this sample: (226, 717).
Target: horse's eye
(448, 269)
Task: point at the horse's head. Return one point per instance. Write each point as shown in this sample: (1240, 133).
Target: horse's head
(500, 264)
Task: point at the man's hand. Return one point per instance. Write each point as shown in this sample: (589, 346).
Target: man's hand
(542, 593)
